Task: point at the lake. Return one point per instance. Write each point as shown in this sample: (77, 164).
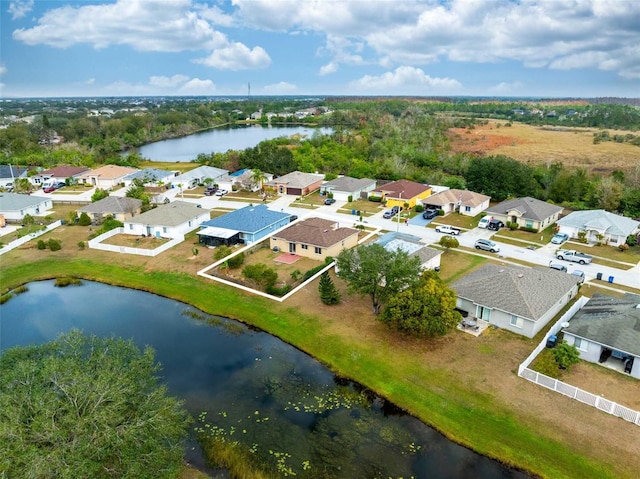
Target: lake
(220, 140)
(251, 387)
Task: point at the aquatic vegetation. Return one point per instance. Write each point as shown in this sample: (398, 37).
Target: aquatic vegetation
(67, 281)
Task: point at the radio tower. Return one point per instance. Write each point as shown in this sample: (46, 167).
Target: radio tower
(249, 91)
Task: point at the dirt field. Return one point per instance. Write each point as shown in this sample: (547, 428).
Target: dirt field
(539, 144)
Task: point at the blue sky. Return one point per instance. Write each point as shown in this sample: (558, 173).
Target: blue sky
(540, 48)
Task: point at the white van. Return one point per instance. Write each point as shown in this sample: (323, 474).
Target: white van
(484, 222)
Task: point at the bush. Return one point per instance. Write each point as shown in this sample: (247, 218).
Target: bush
(530, 230)
(375, 199)
(311, 272)
(261, 274)
(42, 244)
(623, 247)
(566, 355)
(236, 261)
(67, 281)
(350, 198)
(84, 220)
(275, 291)
(419, 208)
(81, 244)
(98, 195)
(221, 251)
(54, 245)
(512, 225)
(632, 240)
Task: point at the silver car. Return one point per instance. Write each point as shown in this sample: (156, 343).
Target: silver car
(487, 245)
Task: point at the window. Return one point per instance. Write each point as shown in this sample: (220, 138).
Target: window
(164, 229)
(467, 208)
(516, 321)
(318, 250)
(580, 344)
(130, 226)
(304, 246)
(529, 224)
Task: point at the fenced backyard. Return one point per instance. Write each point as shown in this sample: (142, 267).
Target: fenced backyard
(573, 392)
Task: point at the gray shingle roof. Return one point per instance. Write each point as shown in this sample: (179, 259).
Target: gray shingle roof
(17, 202)
(200, 172)
(613, 322)
(525, 292)
(149, 174)
(531, 208)
(12, 172)
(410, 244)
(466, 197)
(112, 204)
(171, 214)
(348, 184)
(600, 220)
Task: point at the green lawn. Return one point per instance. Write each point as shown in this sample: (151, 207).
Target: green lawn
(466, 415)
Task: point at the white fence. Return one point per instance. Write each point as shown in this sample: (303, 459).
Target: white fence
(573, 392)
(25, 239)
(96, 243)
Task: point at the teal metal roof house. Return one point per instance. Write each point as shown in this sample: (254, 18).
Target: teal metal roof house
(246, 225)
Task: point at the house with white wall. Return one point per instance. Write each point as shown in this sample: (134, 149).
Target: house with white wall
(169, 220)
(14, 206)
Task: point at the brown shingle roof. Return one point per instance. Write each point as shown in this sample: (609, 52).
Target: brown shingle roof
(316, 232)
(466, 197)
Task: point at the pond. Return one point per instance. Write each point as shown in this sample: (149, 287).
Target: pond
(220, 140)
(249, 386)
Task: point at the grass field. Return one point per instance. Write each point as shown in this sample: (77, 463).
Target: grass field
(541, 145)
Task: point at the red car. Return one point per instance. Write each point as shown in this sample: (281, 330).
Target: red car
(49, 189)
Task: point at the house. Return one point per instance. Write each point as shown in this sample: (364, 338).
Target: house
(245, 225)
(170, 220)
(120, 207)
(429, 257)
(14, 206)
(106, 177)
(242, 180)
(150, 177)
(526, 212)
(198, 176)
(465, 202)
(345, 187)
(315, 238)
(9, 174)
(296, 183)
(607, 330)
(522, 300)
(59, 174)
(397, 193)
(598, 226)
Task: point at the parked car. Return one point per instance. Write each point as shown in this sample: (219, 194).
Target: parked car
(430, 214)
(329, 201)
(559, 238)
(448, 230)
(495, 225)
(578, 274)
(391, 213)
(210, 190)
(221, 192)
(484, 222)
(61, 184)
(487, 245)
(50, 188)
(559, 267)
(575, 256)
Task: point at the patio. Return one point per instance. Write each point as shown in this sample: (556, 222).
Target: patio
(473, 326)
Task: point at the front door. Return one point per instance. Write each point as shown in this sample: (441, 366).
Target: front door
(292, 248)
(148, 230)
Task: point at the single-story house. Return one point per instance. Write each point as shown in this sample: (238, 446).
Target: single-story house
(344, 187)
(397, 193)
(120, 207)
(296, 183)
(465, 202)
(198, 176)
(170, 220)
(315, 238)
(59, 174)
(429, 257)
(527, 212)
(14, 206)
(245, 225)
(106, 177)
(9, 174)
(150, 177)
(607, 330)
(599, 226)
(522, 300)
(242, 180)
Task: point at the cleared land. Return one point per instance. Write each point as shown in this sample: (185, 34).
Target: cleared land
(573, 147)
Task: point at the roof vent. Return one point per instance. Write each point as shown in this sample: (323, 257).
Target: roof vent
(520, 275)
(501, 271)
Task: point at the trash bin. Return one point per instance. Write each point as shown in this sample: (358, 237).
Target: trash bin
(599, 276)
(610, 279)
(551, 341)
(353, 212)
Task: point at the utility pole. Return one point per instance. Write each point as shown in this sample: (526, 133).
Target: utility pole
(399, 210)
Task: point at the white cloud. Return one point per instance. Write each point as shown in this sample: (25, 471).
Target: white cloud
(405, 80)
(282, 88)
(19, 8)
(537, 33)
(3, 70)
(236, 56)
(505, 88)
(329, 68)
(195, 86)
(90, 81)
(167, 82)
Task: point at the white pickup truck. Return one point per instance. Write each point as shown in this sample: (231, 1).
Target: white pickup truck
(449, 230)
(575, 256)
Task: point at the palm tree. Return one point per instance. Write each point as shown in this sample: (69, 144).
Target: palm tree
(258, 177)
